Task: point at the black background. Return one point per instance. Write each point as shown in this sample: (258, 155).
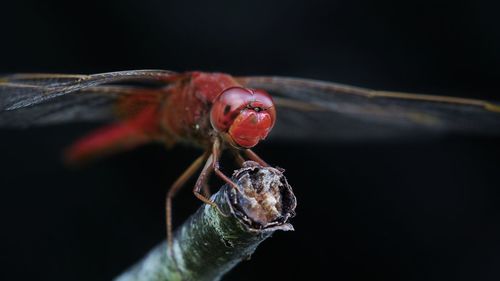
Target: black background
(411, 210)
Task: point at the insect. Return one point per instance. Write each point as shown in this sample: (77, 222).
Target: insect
(217, 112)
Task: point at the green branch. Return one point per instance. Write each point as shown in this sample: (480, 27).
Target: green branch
(210, 243)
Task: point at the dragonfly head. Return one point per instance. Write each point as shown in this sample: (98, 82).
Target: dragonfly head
(244, 116)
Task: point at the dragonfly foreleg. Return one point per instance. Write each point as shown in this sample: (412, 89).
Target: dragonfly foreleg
(211, 165)
(216, 152)
(206, 190)
(237, 157)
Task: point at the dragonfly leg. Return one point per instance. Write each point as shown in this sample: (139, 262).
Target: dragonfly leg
(237, 157)
(202, 181)
(254, 157)
(206, 190)
(176, 187)
(216, 153)
(211, 165)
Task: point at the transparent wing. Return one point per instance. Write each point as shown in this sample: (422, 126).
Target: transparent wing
(38, 99)
(316, 110)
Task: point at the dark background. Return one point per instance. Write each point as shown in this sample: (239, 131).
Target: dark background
(394, 210)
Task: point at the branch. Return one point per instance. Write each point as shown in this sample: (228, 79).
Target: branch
(210, 243)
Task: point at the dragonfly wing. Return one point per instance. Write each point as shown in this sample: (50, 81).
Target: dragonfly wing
(39, 99)
(70, 108)
(317, 110)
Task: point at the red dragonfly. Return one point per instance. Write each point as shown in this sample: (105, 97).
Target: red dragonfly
(217, 112)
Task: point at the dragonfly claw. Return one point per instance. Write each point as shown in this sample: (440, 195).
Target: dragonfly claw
(213, 204)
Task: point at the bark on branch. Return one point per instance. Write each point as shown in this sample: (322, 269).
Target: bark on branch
(209, 243)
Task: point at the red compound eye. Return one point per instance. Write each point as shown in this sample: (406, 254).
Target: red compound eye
(246, 115)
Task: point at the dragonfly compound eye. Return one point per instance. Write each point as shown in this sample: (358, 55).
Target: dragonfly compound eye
(245, 115)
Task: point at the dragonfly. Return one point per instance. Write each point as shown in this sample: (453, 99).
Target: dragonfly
(220, 112)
